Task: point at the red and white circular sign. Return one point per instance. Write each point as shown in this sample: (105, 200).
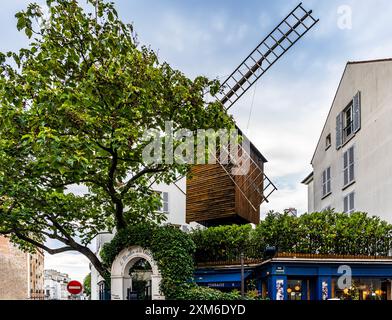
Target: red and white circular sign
(74, 287)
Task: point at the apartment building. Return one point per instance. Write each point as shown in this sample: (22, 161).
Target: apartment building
(56, 285)
(352, 167)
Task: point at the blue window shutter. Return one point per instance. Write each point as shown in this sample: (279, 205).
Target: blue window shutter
(339, 130)
(357, 111)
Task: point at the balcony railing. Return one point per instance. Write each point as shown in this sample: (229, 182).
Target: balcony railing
(249, 261)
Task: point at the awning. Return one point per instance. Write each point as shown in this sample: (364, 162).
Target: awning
(220, 280)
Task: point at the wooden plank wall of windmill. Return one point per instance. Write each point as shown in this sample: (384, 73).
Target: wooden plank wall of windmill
(213, 196)
(248, 184)
(210, 194)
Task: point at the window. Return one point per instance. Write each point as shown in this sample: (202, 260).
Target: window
(348, 122)
(349, 203)
(165, 202)
(327, 182)
(328, 141)
(348, 167)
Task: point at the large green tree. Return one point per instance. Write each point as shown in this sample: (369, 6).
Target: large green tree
(74, 107)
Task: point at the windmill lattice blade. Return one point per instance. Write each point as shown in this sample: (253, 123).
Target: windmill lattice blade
(278, 42)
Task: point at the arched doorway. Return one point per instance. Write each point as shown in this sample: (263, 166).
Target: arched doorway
(140, 274)
(126, 268)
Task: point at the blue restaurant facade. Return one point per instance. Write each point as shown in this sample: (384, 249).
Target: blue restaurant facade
(294, 277)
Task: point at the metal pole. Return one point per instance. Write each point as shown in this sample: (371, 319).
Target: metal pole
(242, 275)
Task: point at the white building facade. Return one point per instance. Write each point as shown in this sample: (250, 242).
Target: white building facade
(352, 163)
(173, 206)
(56, 285)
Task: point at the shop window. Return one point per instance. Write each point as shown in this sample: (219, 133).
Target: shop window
(363, 289)
(294, 290)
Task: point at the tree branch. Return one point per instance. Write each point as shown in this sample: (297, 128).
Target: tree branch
(42, 246)
(131, 181)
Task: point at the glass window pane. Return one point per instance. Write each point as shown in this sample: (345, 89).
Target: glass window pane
(345, 162)
(345, 204)
(345, 176)
(351, 155)
(352, 172)
(352, 201)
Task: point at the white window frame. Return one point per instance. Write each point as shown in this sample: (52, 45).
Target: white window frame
(164, 208)
(328, 141)
(349, 166)
(346, 123)
(349, 203)
(326, 182)
(346, 130)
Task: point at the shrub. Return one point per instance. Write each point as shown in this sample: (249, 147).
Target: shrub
(194, 292)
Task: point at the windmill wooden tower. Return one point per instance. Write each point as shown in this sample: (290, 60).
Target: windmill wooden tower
(214, 195)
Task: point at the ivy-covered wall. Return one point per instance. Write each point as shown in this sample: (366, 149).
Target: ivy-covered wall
(171, 248)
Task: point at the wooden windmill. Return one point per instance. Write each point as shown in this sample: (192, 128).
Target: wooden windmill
(214, 195)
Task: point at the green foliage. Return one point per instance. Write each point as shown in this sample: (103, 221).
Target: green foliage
(194, 292)
(171, 248)
(325, 232)
(74, 107)
(87, 284)
(223, 242)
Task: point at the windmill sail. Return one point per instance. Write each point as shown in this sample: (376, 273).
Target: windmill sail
(215, 195)
(292, 28)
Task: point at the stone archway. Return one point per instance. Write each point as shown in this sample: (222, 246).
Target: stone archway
(120, 279)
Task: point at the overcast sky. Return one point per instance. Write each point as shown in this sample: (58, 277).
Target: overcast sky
(291, 101)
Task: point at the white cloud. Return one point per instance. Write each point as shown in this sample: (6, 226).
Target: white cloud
(74, 264)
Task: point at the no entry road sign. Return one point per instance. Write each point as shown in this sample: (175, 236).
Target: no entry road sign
(74, 287)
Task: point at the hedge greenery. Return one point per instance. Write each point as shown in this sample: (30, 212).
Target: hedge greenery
(194, 292)
(325, 232)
